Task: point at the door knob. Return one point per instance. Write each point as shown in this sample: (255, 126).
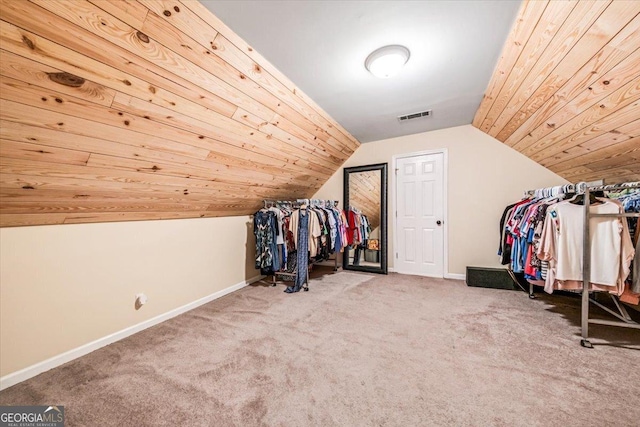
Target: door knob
(439, 222)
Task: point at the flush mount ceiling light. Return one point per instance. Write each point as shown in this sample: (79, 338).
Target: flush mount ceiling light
(387, 61)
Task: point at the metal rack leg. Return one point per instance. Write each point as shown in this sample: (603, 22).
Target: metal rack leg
(585, 320)
(306, 284)
(586, 273)
(531, 295)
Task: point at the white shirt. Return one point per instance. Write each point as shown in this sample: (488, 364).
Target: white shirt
(562, 243)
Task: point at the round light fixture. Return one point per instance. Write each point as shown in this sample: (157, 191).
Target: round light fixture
(387, 61)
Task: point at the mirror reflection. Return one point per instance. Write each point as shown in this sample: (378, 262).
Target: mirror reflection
(365, 200)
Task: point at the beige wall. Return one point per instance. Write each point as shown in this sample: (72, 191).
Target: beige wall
(484, 175)
(63, 286)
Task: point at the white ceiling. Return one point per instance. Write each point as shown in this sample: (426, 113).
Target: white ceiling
(321, 46)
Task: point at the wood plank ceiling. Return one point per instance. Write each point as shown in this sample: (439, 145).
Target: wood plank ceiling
(566, 89)
(150, 109)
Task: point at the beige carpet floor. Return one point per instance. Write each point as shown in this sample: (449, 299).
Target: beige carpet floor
(357, 350)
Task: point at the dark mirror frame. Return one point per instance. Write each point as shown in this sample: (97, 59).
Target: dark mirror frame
(382, 167)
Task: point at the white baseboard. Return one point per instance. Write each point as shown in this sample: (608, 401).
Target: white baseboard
(391, 270)
(454, 276)
(33, 370)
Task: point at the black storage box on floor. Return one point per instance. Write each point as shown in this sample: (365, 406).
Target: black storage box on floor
(495, 278)
(371, 255)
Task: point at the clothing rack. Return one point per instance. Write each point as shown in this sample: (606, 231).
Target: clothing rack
(301, 204)
(542, 193)
(625, 320)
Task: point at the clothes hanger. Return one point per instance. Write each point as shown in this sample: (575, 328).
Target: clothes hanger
(579, 199)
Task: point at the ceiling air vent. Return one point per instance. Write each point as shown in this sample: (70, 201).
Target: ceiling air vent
(426, 113)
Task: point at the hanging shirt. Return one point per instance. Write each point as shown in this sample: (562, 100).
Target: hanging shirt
(561, 244)
(279, 219)
(314, 231)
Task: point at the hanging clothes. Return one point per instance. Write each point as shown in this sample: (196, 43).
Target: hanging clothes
(302, 233)
(264, 229)
(562, 245)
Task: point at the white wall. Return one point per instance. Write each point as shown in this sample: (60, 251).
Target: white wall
(484, 175)
(64, 286)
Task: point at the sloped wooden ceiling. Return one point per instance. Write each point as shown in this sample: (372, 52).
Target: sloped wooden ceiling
(127, 110)
(566, 89)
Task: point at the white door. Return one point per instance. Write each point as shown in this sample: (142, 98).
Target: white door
(420, 215)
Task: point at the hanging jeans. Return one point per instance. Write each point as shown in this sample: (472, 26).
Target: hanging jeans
(302, 253)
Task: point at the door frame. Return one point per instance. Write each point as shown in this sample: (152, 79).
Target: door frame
(394, 205)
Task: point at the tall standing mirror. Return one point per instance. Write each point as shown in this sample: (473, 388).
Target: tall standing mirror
(365, 201)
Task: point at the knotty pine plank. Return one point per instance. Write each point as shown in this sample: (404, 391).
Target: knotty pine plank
(131, 12)
(573, 156)
(615, 63)
(87, 117)
(629, 158)
(612, 176)
(207, 116)
(326, 122)
(594, 121)
(310, 133)
(233, 140)
(145, 216)
(528, 17)
(113, 197)
(80, 206)
(199, 67)
(109, 65)
(36, 186)
(29, 45)
(17, 67)
(46, 172)
(265, 90)
(247, 118)
(18, 220)
(565, 105)
(615, 150)
(39, 174)
(30, 151)
(200, 171)
(113, 32)
(572, 46)
(548, 25)
(294, 105)
(39, 186)
(135, 88)
(253, 141)
(128, 148)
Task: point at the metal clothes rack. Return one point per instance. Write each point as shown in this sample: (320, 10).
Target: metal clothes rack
(623, 315)
(586, 189)
(301, 204)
